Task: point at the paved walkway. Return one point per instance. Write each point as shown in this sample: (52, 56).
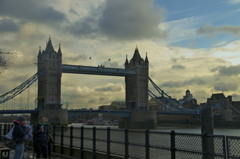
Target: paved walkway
(29, 154)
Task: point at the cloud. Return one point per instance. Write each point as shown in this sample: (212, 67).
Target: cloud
(27, 10)
(227, 70)
(122, 20)
(111, 88)
(232, 2)
(192, 81)
(8, 25)
(209, 29)
(226, 86)
(178, 67)
(135, 19)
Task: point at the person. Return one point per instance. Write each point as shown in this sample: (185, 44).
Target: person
(50, 139)
(18, 134)
(40, 137)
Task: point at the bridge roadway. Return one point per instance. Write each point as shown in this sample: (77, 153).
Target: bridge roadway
(74, 112)
(100, 70)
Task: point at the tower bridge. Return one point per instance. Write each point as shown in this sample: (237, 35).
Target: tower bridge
(136, 74)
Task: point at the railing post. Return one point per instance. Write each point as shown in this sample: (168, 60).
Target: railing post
(54, 137)
(147, 144)
(94, 142)
(126, 144)
(108, 143)
(173, 146)
(207, 146)
(71, 140)
(5, 130)
(82, 138)
(61, 139)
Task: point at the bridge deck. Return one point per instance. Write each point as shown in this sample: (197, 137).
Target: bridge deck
(79, 69)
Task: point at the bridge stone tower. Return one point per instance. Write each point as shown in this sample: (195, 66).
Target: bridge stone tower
(49, 84)
(137, 95)
(137, 85)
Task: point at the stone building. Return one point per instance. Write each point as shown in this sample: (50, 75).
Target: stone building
(221, 105)
(137, 85)
(49, 84)
(188, 100)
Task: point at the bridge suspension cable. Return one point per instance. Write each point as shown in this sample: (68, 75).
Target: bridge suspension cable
(171, 104)
(19, 89)
(235, 109)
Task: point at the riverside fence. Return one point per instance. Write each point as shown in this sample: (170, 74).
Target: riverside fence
(140, 144)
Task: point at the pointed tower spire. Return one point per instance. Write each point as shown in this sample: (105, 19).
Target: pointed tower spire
(59, 49)
(126, 62)
(136, 56)
(49, 47)
(39, 52)
(146, 59)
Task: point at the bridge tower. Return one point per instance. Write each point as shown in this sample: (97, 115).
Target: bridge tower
(137, 85)
(137, 95)
(49, 84)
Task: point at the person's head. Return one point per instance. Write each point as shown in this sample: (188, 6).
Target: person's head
(42, 119)
(21, 119)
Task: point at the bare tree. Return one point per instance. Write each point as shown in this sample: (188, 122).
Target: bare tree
(4, 62)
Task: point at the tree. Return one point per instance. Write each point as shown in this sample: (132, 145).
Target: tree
(4, 62)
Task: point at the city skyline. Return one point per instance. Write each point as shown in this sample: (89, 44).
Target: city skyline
(192, 45)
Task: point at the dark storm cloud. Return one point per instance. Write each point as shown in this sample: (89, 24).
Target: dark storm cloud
(209, 29)
(227, 70)
(29, 10)
(8, 25)
(124, 20)
(193, 81)
(178, 67)
(86, 28)
(135, 19)
(112, 88)
(227, 86)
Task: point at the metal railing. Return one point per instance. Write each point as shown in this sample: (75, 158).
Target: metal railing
(143, 144)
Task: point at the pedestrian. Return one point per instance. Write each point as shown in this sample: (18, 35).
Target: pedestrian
(50, 138)
(40, 137)
(18, 134)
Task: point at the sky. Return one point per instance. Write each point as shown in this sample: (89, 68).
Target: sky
(190, 45)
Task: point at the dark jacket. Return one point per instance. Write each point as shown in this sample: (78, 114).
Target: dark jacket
(19, 133)
(41, 136)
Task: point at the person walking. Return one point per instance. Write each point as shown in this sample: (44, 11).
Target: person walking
(40, 137)
(18, 134)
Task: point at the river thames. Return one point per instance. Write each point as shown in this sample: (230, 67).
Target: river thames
(177, 128)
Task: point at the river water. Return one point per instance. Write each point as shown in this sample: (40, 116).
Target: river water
(177, 128)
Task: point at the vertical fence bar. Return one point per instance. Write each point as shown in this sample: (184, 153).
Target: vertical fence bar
(81, 144)
(147, 144)
(54, 138)
(94, 142)
(71, 140)
(108, 143)
(62, 139)
(224, 147)
(173, 146)
(126, 144)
